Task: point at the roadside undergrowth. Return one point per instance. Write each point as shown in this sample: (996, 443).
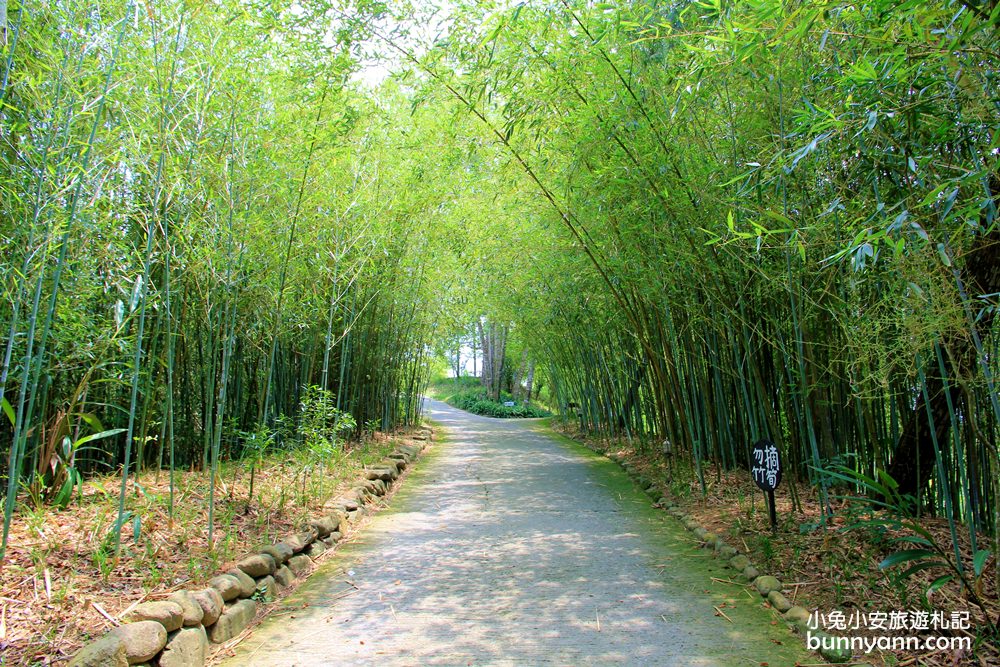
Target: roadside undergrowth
(62, 586)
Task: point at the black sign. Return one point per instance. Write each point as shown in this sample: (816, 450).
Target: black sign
(765, 468)
(765, 465)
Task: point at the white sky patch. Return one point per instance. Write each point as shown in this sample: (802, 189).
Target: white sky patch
(430, 20)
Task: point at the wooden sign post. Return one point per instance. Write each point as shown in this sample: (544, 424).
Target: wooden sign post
(765, 468)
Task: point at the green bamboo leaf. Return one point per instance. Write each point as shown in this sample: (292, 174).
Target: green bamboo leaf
(8, 410)
(933, 194)
(780, 218)
(920, 567)
(91, 420)
(872, 119)
(493, 34)
(939, 583)
(979, 561)
(905, 556)
(97, 436)
(918, 529)
(943, 253)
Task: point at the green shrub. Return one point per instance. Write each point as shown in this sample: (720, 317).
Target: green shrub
(476, 402)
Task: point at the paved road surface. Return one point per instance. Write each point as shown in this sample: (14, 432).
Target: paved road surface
(510, 546)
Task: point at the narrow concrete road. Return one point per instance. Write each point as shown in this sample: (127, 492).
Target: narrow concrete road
(510, 546)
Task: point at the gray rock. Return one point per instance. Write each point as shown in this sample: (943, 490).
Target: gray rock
(142, 640)
(299, 541)
(709, 540)
(300, 565)
(726, 551)
(186, 648)
(284, 576)
(235, 619)
(228, 586)
(108, 651)
(829, 649)
(765, 584)
(168, 614)
(750, 573)
(190, 608)
(258, 565)
(280, 552)
(316, 549)
(267, 589)
(345, 504)
(779, 601)
(739, 562)
(211, 604)
(700, 533)
(352, 495)
(328, 523)
(247, 584)
(797, 615)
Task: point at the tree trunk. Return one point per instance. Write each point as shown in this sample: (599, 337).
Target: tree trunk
(475, 371)
(498, 362)
(494, 345)
(530, 381)
(487, 373)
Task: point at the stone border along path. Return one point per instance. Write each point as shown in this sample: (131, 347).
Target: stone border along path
(180, 631)
(513, 546)
(768, 586)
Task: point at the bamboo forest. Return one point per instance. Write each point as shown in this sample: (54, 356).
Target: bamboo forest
(252, 249)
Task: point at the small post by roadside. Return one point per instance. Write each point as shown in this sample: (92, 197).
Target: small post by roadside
(765, 468)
